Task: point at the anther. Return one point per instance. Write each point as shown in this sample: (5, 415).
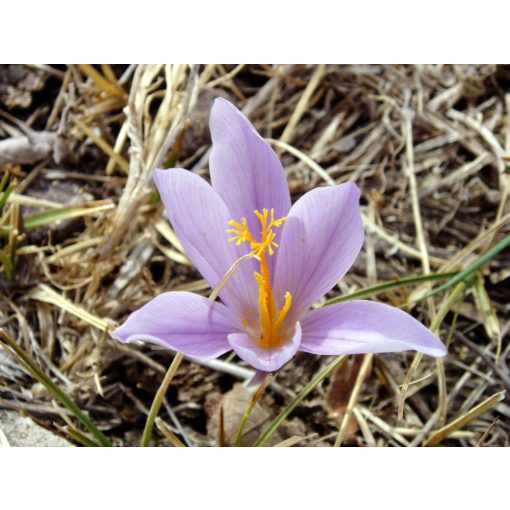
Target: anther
(271, 319)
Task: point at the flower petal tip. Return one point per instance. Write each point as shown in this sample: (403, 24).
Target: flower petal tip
(437, 349)
(160, 176)
(221, 102)
(119, 335)
(358, 327)
(181, 321)
(353, 187)
(156, 172)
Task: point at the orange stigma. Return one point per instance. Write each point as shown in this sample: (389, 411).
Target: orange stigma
(271, 318)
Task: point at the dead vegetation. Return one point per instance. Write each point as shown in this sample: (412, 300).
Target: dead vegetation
(84, 242)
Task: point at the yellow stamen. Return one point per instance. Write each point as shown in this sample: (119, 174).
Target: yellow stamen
(271, 318)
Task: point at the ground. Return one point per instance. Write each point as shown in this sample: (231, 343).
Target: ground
(85, 242)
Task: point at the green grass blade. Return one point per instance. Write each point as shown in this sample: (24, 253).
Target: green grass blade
(31, 221)
(3, 182)
(470, 269)
(8, 266)
(376, 289)
(40, 376)
(79, 437)
(271, 429)
(256, 397)
(5, 196)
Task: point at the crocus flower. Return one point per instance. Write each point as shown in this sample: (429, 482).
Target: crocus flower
(299, 254)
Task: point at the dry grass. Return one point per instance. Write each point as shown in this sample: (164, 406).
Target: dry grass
(428, 145)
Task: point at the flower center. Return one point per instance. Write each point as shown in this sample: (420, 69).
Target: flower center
(270, 317)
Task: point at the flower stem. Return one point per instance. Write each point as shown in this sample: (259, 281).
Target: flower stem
(158, 399)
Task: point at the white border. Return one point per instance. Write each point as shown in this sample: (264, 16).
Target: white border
(272, 478)
(367, 31)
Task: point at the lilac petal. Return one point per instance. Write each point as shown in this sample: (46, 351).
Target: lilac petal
(262, 358)
(359, 327)
(200, 219)
(320, 240)
(185, 322)
(245, 171)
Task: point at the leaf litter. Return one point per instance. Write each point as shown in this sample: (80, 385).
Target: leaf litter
(428, 145)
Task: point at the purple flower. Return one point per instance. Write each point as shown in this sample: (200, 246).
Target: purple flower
(299, 253)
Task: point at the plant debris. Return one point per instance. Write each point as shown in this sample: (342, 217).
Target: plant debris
(429, 146)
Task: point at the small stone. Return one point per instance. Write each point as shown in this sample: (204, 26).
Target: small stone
(17, 430)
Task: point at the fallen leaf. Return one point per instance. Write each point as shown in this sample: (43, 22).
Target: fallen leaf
(339, 392)
(233, 405)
